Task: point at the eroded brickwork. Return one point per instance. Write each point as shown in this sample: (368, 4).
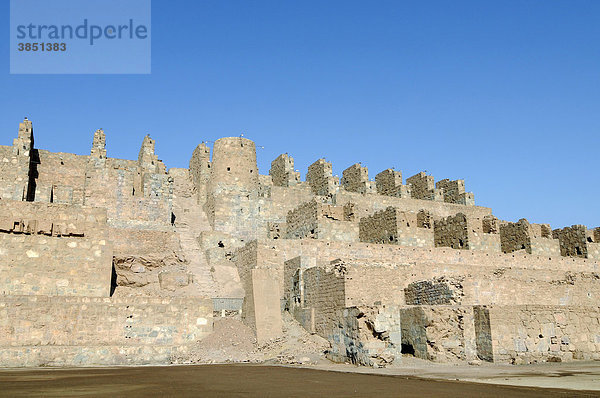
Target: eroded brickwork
(379, 268)
(282, 171)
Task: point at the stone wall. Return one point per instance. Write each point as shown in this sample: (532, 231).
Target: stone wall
(315, 220)
(422, 186)
(538, 333)
(54, 249)
(320, 178)
(356, 179)
(141, 256)
(572, 240)
(273, 254)
(454, 192)
(324, 294)
(532, 238)
(75, 331)
(434, 292)
(282, 171)
(371, 284)
(391, 226)
(200, 170)
(467, 233)
(389, 183)
(452, 232)
(367, 204)
(302, 222)
(15, 165)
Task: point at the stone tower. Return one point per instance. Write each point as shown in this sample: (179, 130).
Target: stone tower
(232, 193)
(200, 170)
(16, 182)
(234, 165)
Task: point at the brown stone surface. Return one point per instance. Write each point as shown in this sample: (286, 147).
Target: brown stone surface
(377, 268)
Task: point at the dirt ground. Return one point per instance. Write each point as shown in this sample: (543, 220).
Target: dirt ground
(244, 381)
(573, 375)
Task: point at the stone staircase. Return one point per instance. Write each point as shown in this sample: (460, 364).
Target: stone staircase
(190, 221)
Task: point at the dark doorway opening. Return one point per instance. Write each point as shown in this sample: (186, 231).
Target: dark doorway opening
(407, 349)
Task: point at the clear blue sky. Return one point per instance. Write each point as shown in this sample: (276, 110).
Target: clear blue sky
(504, 94)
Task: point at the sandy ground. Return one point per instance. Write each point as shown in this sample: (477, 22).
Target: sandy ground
(244, 381)
(574, 375)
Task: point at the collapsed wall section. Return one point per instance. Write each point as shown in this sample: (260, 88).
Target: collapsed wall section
(439, 333)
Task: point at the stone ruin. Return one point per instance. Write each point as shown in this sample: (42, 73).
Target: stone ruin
(113, 261)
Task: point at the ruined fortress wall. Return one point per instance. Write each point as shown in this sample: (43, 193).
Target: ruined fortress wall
(525, 334)
(39, 265)
(200, 170)
(527, 287)
(485, 242)
(320, 179)
(282, 171)
(452, 232)
(303, 222)
(373, 285)
(479, 285)
(593, 250)
(546, 247)
(247, 259)
(515, 236)
(54, 249)
(368, 204)
(287, 199)
(573, 240)
(147, 207)
(368, 282)
(356, 179)
(277, 251)
(14, 174)
(60, 177)
(261, 308)
(273, 253)
(395, 227)
(337, 230)
(80, 220)
(439, 333)
(325, 293)
(316, 220)
(69, 331)
(140, 255)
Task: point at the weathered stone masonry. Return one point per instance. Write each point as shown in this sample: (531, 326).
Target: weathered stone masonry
(114, 261)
